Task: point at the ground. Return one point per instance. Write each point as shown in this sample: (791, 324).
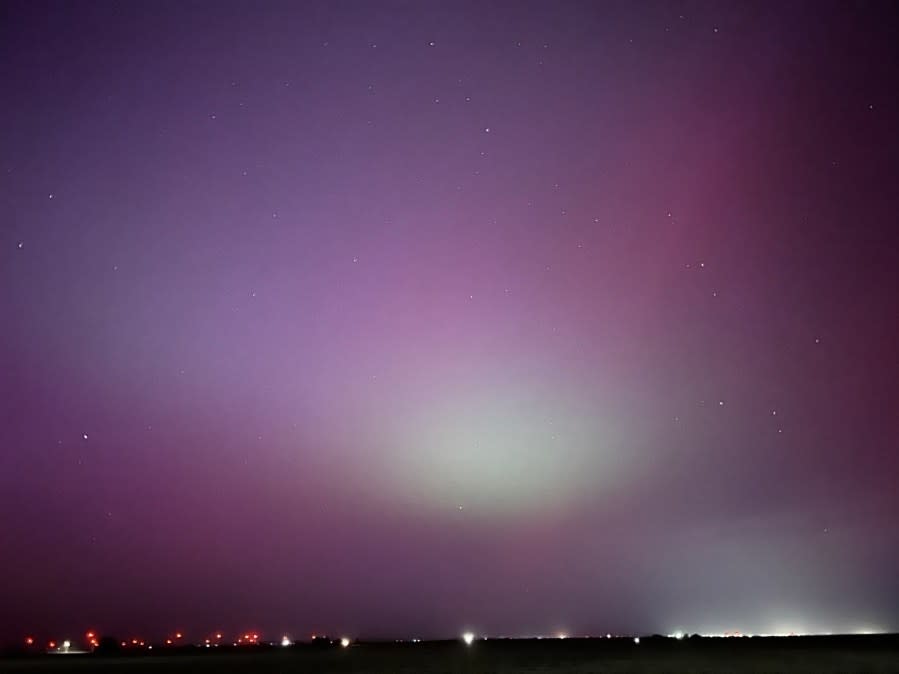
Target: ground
(818, 655)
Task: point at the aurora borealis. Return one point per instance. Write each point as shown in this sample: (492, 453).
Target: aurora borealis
(403, 318)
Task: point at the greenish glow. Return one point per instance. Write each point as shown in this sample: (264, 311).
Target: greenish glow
(510, 450)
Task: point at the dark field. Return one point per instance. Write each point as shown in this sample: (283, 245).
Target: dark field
(792, 654)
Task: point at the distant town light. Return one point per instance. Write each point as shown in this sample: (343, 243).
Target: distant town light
(285, 641)
(636, 640)
(66, 645)
(468, 638)
(345, 641)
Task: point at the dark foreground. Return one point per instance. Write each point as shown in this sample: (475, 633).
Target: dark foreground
(790, 654)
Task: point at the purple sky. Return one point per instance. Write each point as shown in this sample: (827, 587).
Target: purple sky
(395, 319)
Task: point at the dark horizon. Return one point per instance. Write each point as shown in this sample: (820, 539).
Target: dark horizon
(414, 318)
(94, 643)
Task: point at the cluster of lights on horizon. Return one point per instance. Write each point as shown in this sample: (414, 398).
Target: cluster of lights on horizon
(92, 639)
(177, 639)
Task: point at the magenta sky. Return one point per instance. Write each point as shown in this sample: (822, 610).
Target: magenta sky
(398, 318)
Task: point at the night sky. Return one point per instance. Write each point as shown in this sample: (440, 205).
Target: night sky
(399, 319)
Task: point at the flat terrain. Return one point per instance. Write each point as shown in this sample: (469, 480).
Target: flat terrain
(793, 654)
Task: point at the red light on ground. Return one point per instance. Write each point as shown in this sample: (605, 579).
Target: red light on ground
(178, 635)
(52, 644)
(124, 643)
(134, 642)
(29, 641)
(168, 642)
(218, 635)
(255, 636)
(89, 635)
